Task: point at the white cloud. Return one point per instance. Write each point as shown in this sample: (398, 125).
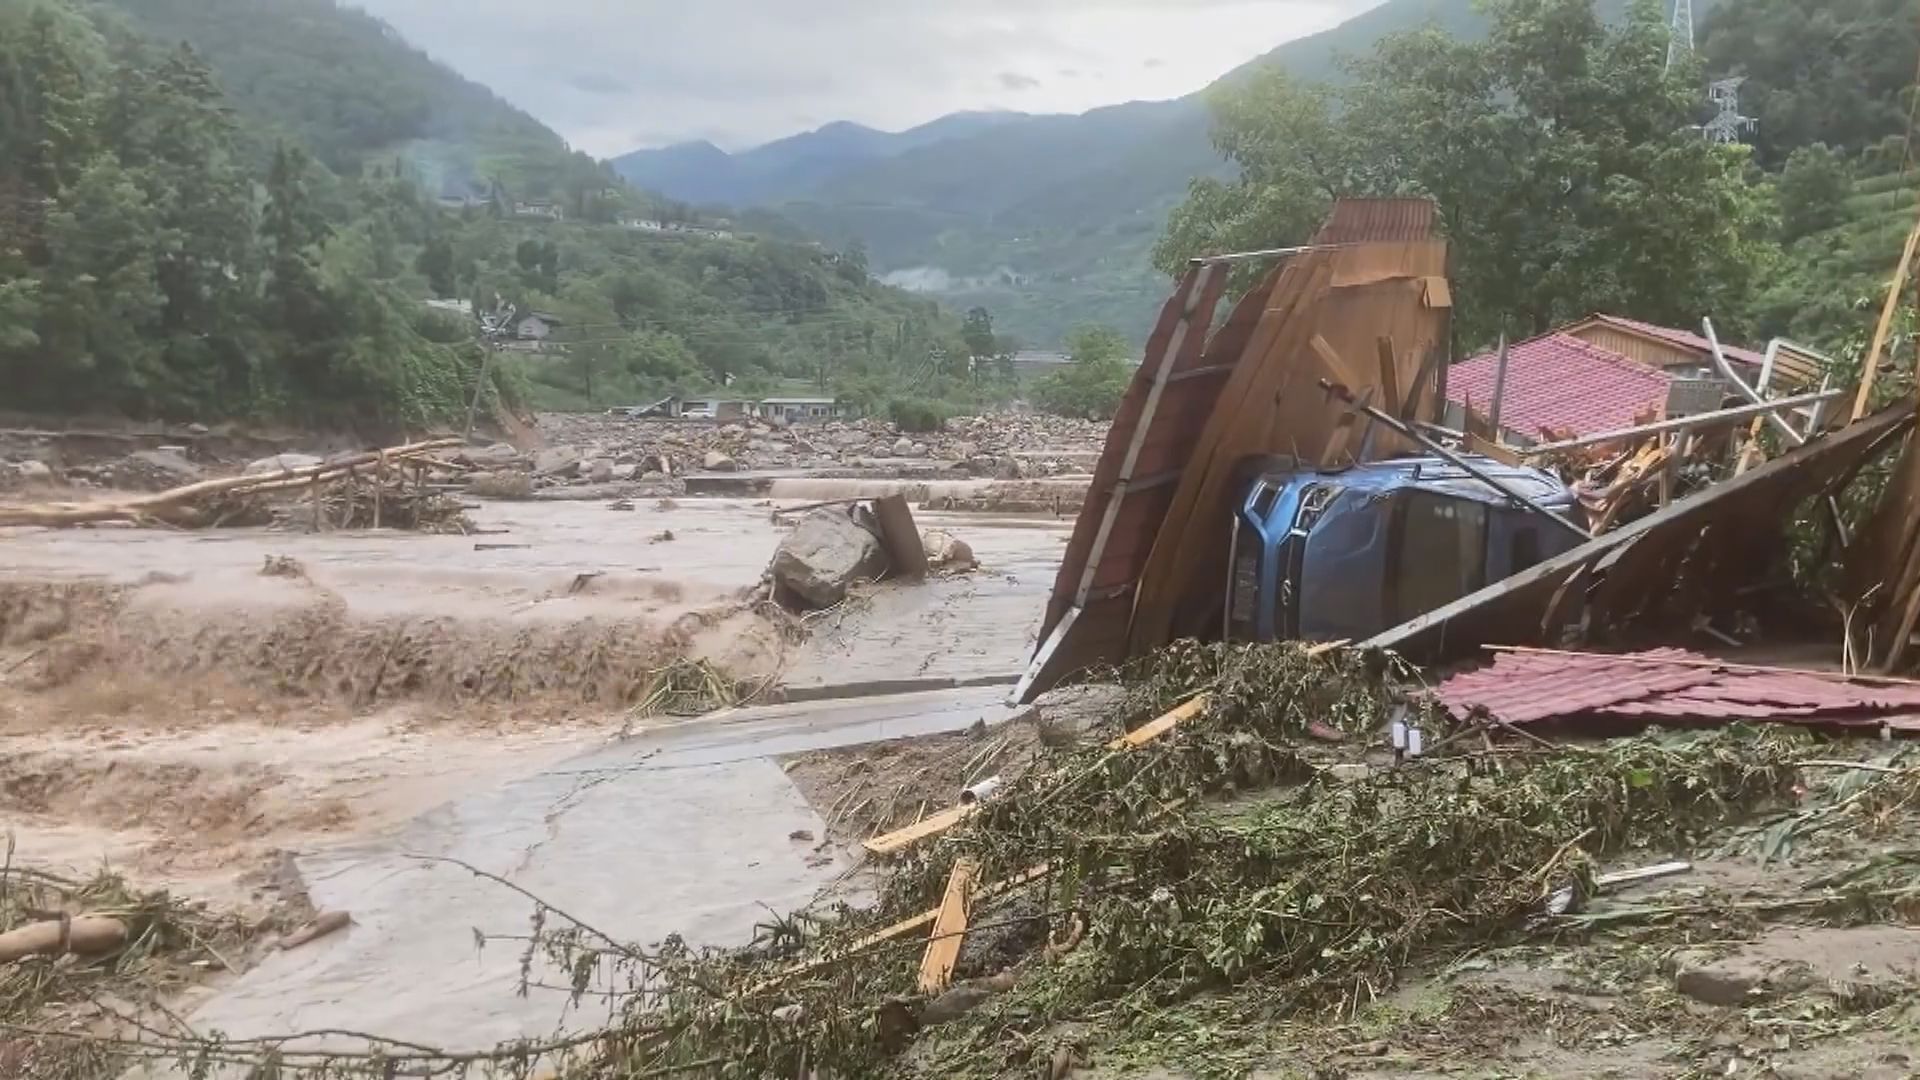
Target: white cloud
(613, 75)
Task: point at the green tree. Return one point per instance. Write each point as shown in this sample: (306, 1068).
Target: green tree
(1095, 377)
(435, 263)
(1557, 150)
(294, 231)
(1831, 71)
(1813, 189)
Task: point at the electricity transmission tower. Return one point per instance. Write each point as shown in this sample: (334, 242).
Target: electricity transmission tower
(1680, 41)
(1727, 125)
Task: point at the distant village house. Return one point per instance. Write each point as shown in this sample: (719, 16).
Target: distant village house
(539, 208)
(802, 409)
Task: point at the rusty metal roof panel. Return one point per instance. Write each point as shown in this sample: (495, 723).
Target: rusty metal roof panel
(1521, 688)
(1378, 221)
(1671, 687)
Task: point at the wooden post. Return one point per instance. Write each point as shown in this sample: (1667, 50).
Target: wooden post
(1499, 388)
(379, 487)
(479, 385)
(1863, 399)
(1390, 378)
(318, 523)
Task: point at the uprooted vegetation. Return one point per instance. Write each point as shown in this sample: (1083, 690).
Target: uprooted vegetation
(99, 953)
(1245, 891)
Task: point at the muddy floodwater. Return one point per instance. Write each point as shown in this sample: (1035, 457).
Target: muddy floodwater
(254, 717)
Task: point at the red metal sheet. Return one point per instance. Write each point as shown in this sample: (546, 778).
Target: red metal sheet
(1520, 688)
(1526, 687)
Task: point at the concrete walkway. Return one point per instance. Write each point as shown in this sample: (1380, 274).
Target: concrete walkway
(684, 829)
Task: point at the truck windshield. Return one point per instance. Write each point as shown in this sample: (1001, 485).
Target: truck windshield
(1439, 555)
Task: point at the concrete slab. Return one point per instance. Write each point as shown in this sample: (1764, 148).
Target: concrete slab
(681, 829)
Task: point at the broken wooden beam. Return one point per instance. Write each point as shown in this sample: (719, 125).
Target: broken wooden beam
(949, 929)
(900, 839)
(934, 825)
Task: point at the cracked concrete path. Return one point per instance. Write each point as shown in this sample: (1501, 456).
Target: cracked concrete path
(683, 829)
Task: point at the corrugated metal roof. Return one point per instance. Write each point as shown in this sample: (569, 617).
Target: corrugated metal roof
(1671, 687)
(1378, 221)
(1520, 688)
(1564, 384)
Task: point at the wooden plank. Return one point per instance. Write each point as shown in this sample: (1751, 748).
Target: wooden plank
(1339, 449)
(931, 825)
(949, 929)
(1389, 374)
(1862, 400)
(900, 929)
(1439, 293)
(1479, 444)
(1411, 411)
(1153, 433)
(901, 537)
(1153, 729)
(1195, 522)
(1343, 373)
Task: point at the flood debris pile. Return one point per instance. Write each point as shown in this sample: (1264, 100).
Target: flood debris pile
(79, 957)
(1113, 885)
(1006, 446)
(371, 490)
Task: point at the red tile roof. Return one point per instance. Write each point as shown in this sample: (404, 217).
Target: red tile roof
(1562, 383)
(1683, 339)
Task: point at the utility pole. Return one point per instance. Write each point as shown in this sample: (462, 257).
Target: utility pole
(492, 328)
(1680, 41)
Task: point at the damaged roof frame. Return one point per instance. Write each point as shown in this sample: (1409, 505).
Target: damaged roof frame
(1524, 608)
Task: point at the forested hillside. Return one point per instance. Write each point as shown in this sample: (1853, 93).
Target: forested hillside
(1571, 174)
(342, 84)
(170, 249)
(1049, 220)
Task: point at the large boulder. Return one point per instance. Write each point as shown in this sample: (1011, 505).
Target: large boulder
(491, 456)
(825, 553)
(167, 462)
(280, 463)
(946, 551)
(557, 461)
(715, 461)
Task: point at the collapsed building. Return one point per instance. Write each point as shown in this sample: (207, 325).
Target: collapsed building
(1316, 468)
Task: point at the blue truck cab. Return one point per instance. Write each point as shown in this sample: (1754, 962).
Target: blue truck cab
(1322, 554)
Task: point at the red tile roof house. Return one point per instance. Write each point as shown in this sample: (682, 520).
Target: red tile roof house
(1601, 374)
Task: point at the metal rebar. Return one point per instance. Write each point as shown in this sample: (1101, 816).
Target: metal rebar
(1518, 499)
(1739, 412)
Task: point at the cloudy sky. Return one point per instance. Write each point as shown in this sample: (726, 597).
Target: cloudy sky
(615, 75)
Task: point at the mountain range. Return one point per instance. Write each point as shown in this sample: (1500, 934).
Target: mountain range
(1046, 220)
